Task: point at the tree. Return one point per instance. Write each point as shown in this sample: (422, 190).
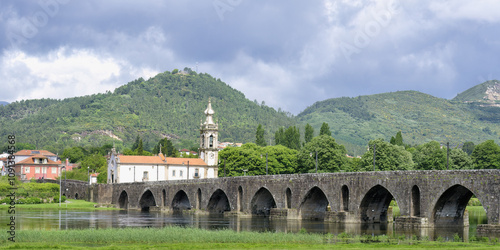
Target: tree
(167, 148)
(331, 155)
(136, 143)
(430, 156)
(398, 140)
(460, 159)
(74, 154)
(279, 136)
(292, 138)
(468, 147)
(309, 133)
(259, 136)
(252, 159)
(388, 157)
(140, 150)
(486, 155)
(325, 129)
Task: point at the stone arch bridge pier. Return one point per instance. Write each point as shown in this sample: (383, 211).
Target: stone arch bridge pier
(425, 198)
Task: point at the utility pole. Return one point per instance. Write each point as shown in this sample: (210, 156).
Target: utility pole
(448, 155)
(316, 162)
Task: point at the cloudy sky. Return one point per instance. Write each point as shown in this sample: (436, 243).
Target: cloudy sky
(288, 54)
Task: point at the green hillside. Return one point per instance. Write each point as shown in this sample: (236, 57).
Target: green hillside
(420, 117)
(168, 105)
(476, 93)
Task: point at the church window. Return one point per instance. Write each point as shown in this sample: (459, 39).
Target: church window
(202, 141)
(211, 141)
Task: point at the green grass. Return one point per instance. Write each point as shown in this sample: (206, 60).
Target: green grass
(192, 238)
(70, 204)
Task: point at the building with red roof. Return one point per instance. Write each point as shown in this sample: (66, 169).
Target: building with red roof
(37, 166)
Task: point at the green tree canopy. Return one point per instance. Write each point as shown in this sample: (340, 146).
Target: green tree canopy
(279, 136)
(430, 156)
(252, 158)
(486, 155)
(468, 147)
(259, 136)
(460, 159)
(74, 154)
(167, 148)
(309, 133)
(292, 138)
(331, 155)
(325, 129)
(388, 157)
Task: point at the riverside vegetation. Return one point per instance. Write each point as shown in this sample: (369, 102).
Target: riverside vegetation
(192, 238)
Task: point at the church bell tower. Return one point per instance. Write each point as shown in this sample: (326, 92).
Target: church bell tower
(209, 133)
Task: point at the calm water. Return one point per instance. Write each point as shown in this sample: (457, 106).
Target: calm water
(55, 220)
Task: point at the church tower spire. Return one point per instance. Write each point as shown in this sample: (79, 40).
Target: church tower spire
(209, 134)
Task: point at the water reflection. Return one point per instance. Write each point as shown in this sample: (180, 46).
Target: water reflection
(62, 220)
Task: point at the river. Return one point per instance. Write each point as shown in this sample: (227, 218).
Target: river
(64, 219)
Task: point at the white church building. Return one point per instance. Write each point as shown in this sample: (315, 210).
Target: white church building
(137, 168)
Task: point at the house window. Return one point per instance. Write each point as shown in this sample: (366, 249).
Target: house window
(145, 176)
(173, 172)
(26, 170)
(180, 173)
(44, 170)
(37, 170)
(196, 173)
(54, 170)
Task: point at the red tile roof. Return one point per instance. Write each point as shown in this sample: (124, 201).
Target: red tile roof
(30, 160)
(159, 159)
(35, 152)
(140, 159)
(180, 161)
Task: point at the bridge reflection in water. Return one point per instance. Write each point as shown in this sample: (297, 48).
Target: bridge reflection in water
(62, 220)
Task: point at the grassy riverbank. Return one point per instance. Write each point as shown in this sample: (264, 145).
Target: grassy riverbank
(192, 238)
(70, 204)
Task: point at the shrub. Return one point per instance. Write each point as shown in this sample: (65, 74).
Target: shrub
(56, 199)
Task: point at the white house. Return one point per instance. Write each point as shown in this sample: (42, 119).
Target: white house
(134, 168)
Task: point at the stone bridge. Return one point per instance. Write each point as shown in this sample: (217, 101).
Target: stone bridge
(425, 198)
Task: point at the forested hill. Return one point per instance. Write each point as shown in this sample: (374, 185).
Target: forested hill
(420, 117)
(168, 105)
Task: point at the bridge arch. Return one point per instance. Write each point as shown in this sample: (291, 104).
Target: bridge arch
(288, 196)
(181, 201)
(314, 205)
(239, 200)
(262, 202)
(345, 198)
(450, 207)
(198, 198)
(218, 203)
(375, 204)
(123, 200)
(164, 197)
(415, 201)
(147, 200)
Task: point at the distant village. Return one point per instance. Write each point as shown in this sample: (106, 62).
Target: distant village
(42, 164)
